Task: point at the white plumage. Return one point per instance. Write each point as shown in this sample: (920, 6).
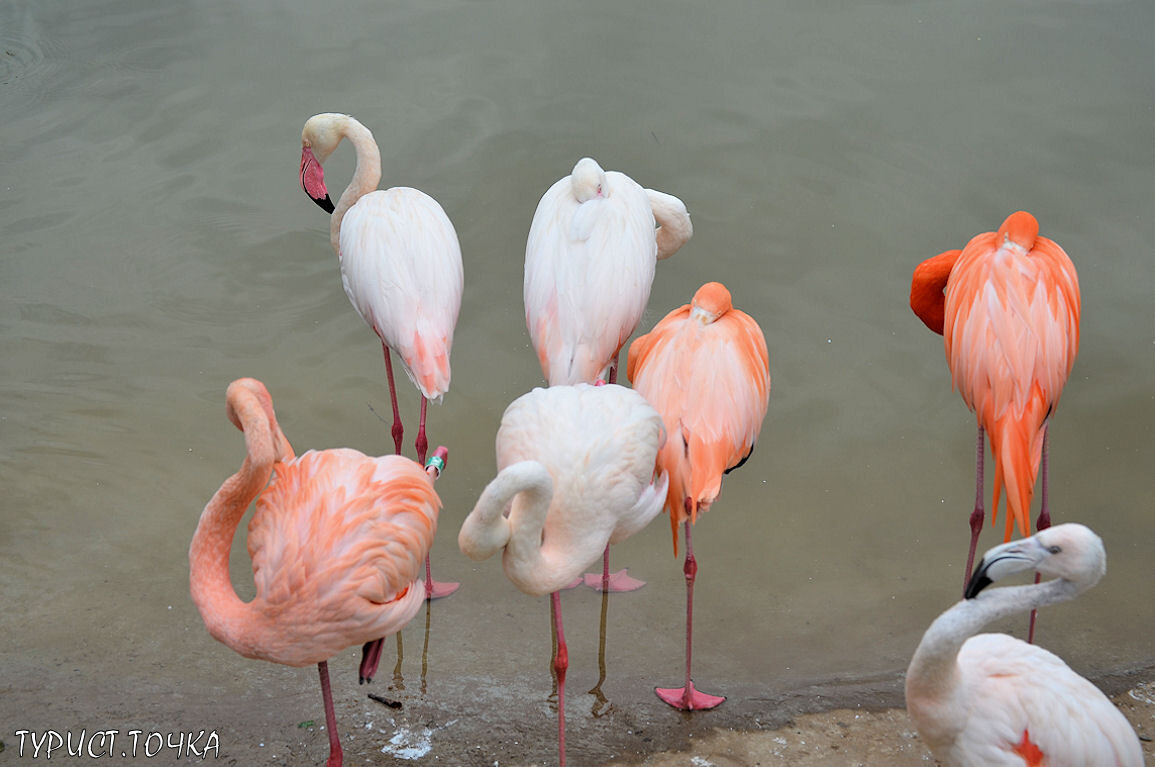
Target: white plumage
(997, 701)
(589, 265)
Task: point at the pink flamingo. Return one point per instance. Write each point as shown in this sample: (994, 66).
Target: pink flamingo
(337, 541)
(401, 268)
(575, 473)
(589, 265)
(706, 369)
(994, 700)
(1007, 306)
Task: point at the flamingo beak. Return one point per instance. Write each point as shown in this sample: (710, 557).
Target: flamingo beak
(1001, 561)
(313, 180)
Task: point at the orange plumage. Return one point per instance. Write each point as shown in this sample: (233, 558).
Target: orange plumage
(706, 369)
(1008, 308)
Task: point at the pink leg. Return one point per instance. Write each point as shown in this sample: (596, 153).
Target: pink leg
(616, 582)
(687, 698)
(560, 664)
(978, 514)
(433, 589)
(398, 429)
(370, 657)
(1043, 523)
(335, 754)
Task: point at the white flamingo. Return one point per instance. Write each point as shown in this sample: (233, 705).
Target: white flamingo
(589, 265)
(575, 473)
(401, 269)
(997, 701)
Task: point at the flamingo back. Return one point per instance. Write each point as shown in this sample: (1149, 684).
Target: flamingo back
(589, 267)
(1011, 334)
(1018, 701)
(710, 380)
(338, 540)
(401, 268)
(599, 444)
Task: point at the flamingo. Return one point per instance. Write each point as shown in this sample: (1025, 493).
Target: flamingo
(706, 369)
(337, 542)
(589, 265)
(401, 269)
(575, 473)
(1007, 306)
(995, 700)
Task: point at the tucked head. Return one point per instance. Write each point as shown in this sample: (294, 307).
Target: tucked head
(1070, 552)
(1021, 228)
(710, 302)
(589, 180)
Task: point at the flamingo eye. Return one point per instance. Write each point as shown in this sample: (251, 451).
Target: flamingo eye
(1054, 549)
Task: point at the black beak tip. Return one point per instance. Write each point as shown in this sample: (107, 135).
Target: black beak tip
(978, 581)
(325, 203)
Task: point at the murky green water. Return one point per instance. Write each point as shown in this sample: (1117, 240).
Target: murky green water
(156, 245)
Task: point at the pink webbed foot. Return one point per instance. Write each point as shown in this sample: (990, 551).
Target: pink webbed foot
(439, 589)
(618, 582)
(689, 699)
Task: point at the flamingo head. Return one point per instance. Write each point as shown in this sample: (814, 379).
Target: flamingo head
(319, 138)
(1071, 552)
(710, 302)
(1021, 228)
(589, 180)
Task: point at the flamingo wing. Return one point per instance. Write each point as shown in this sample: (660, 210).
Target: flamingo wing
(1011, 334)
(588, 271)
(338, 539)
(711, 383)
(401, 268)
(1026, 706)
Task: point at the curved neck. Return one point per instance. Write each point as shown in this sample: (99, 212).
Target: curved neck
(366, 175)
(933, 669)
(536, 563)
(674, 227)
(212, 591)
(926, 289)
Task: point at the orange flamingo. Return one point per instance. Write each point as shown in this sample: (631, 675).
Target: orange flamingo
(337, 542)
(706, 369)
(1007, 306)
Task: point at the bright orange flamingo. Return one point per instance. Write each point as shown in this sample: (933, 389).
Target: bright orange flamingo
(338, 540)
(1007, 306)
(706, 369)
(401, 268)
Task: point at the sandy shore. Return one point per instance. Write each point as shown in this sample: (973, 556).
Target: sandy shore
(848, 737)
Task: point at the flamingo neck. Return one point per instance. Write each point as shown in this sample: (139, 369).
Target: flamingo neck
(674, 226)
(536, 563)
(366, 175)
(927, 287)
(933, 670)
(228, 619)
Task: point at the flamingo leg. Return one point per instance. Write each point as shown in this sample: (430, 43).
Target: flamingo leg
(1042, 523)
(336, 757)
(978, 514)
(687, 698)
(433, 589)
(370, 657)
(398, 428)
(621, 580)
(560, 664)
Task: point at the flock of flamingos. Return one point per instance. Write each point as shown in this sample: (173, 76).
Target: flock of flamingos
(339, 540)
